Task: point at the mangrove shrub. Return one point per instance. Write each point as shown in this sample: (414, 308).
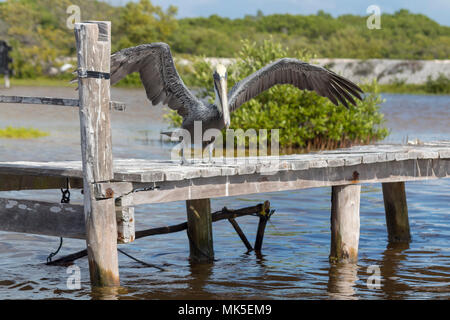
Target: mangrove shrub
(305, 119)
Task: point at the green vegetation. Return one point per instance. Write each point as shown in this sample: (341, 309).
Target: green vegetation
(403, 35)
(39, 82)
(41, 41)
(440, 85)
(38, 33)
(306, 120)
(21, 133)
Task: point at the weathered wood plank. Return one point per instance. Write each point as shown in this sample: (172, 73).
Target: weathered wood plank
(125, 223)
(345, 202)
(94, 51)
(223, 186)
(68, 102)
(139, 170)
(44, 218)
(9, 182)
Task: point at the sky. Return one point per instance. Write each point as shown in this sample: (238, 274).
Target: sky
(438, 10)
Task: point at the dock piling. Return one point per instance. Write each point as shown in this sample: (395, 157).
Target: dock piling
(396, 209)
(93, 41)
(199, 231)
(345, 202)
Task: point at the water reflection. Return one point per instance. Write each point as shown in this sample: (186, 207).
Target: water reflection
(342, 279)
(200, 276)
(391, 264)
(107, 293)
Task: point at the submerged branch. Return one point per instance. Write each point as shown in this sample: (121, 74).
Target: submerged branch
(262, 209)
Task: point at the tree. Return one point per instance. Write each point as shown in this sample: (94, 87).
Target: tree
(143, 22)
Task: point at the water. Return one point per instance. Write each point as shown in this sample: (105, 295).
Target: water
(294, 263)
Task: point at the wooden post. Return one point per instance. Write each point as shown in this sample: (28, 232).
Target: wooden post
(94, 51)
(125, 223)
(345, 202)
(199, 221)
(7, 84)
(260, 233)
(396, 212)
(241, 234)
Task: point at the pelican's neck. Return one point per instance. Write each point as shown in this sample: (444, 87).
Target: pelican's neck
(217, 102)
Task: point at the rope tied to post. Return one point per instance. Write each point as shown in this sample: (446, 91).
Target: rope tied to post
(65, 198)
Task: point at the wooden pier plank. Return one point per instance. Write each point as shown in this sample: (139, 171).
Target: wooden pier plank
(174, 182)
(139, 170)
(44, 218)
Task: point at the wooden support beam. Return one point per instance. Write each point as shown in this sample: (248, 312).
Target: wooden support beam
(396, 209)
(9, 182)
(223, 214)
(241, 234)
(199, 230)
(125, 223)
(94, 50)
(44, 218)
(57, 219)
(260, 233)
(345, 202)
(67, 102)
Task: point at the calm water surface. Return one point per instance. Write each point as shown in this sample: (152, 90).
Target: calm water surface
(294, 263)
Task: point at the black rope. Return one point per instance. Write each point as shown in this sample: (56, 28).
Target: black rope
(65, 198)
(140, 261)
(51, 255)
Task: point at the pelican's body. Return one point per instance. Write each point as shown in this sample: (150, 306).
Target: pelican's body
(162, 83)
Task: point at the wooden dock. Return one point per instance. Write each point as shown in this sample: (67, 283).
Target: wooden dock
(113, 187)
(137, 181)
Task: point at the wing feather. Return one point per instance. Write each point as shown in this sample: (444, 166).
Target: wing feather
(158, 74)
(300, 74)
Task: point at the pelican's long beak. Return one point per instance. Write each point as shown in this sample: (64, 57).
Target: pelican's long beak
(220, 86)
(224, 102)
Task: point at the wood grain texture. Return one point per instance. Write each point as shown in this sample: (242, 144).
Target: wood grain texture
(345, 203)
(93, 51)
(67, 102)
(125, 223)
(199, 231)
(152, 181)
(44, 218)
(141, 170)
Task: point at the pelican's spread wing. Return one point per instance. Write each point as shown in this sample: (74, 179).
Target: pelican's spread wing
(158, 74)
(298, 73)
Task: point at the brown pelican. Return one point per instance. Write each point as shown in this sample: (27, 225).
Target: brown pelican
(163, 84)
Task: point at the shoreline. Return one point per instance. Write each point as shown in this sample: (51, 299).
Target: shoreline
(416, 89)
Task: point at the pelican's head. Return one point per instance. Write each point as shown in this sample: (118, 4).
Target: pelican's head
(220, 88)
